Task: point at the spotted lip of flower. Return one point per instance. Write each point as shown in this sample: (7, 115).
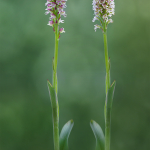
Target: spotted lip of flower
(61, 30)
(96, 27)
(103, 9)
(50, 23)
(55, 9)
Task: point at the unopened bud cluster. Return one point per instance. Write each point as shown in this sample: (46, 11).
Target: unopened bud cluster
(55, 9)
(103, 9)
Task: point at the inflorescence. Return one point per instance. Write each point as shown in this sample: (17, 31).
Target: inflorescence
(103, 9)
(55, 9)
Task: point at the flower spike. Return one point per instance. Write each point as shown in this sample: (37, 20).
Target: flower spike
(103, 9)
(55, 9)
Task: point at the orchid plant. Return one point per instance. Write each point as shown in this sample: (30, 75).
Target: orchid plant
(56, 10)
(103, 11)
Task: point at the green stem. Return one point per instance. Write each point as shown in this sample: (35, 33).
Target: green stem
(107, 129)
(56, 127)
(107, 112)
(106, 62)
(56, 109)
(55, 59)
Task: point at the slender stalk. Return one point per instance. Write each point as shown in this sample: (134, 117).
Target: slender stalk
(55, 60)
(107, 114)
(106, 62)
(55, 109)
(107, 129)
(56, 127)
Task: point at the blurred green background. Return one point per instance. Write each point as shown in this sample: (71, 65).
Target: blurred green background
(26, 51)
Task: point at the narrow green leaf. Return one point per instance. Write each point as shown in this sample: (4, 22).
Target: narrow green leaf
(53, 96)
(109, 99)
(64, 135)
(108, 103)
(55, 114)
(99, 135)
(110, 94)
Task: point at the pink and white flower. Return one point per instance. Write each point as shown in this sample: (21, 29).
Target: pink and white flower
(103, 9)
(61, 30)
(50, 23)
(56, 9)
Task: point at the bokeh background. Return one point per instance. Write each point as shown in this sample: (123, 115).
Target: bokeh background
(26, 51)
